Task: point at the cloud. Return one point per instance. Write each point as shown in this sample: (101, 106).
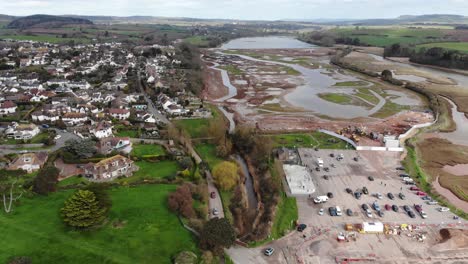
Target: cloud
(240, 9)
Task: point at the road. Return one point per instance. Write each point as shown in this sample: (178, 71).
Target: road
(213, 202)
(151, 108)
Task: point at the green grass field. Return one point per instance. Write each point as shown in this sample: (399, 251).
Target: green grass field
(151, 170)
(140, 229)
(208, 154)
(45, 38)
(460, 46)
(141, 150)
(350, 83)
(386, 36)
(199, 41)
(337, 98)
(196, 128)
(308, 140)
(285, 217)
(73, 180)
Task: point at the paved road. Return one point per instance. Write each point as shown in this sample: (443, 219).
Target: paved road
(151, 107)
(213, 202)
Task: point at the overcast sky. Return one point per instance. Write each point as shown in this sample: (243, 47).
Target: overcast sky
(238, 9)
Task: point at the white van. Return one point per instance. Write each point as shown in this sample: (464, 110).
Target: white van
(321, 199)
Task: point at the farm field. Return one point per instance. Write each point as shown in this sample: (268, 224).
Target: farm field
(141, 230)
(389, 35)
(460, 46)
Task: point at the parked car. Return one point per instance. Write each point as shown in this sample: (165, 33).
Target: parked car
(321, 211)
(423, 214)
(364, 190)
(269, 251)
(432, 202)
(443, 209)
(421, 194)
(376, 206)
(357, 195)
(332, 211)
(45, 126)
(418, 208)
(301, 227)
(411, 214)
(326, 169)
(317, 168)
(426, 198)
(378, 196)
(414, 188)
(356, 159)
(370, 178)
(330, 195)
(348, 190)
(368, 213)
(57, 137)
(400, 168)
(365, 207)
(332, 155)
(390, 196)
(395, 208)
(213, 195)
(406, 208)
(388, 207)
(325, 177)
(349, 212)
(402, 196)
(380, 213)
(404, 175)
(215, 211)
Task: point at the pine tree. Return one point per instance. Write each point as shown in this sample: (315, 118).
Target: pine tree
(82, 210)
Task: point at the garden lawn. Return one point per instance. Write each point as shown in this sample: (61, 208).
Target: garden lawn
(141, 150)
(145, 230)
(152, 170)
(208, 154)
(196, 128)
(73, 180)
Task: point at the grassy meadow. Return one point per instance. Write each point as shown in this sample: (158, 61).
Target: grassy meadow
(140, 229)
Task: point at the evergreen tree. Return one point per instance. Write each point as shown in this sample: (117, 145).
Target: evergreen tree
(82, 210)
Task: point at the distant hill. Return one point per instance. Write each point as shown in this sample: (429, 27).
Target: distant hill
(45, 21)
(6, 18)
(405, 19)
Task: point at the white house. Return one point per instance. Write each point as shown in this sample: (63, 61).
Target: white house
(74, 118)
(26, 131)
(119, 113)
(7, 107)
(102, 129)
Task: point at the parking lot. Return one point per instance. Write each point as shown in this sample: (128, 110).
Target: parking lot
(348, 173)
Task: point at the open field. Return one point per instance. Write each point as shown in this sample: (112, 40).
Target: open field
(208, 153)
(151, 170)
(389, 35)
(314, 139)
(196, 128)
(136, 234)
(460, 46)
(141, 150)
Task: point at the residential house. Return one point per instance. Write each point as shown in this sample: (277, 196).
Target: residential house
(110, 168)
(72, 119)
(26, 131)
(101, 129)
(29, 162)
(7, 107)
(109, 144)
(118, 113)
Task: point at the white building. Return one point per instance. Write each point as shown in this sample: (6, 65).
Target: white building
(7, 107)
(102, 130)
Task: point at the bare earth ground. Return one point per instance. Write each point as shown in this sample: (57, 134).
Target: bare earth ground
(262, 87)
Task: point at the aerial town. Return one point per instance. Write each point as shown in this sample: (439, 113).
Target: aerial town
(153, 139)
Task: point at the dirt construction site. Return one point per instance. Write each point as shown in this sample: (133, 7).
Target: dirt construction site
(439, 238)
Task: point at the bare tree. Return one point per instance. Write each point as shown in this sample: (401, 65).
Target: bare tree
(9, 192)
